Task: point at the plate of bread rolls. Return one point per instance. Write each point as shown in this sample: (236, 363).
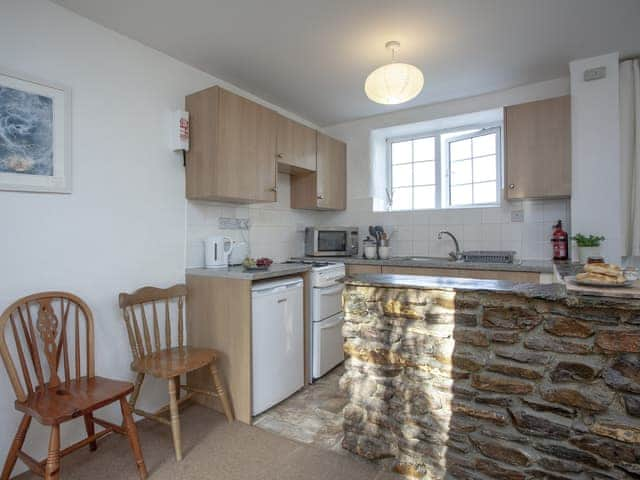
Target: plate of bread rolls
(604, 275)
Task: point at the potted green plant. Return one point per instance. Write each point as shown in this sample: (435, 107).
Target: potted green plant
(588, 246)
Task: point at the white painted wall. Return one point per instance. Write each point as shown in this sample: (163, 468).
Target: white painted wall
(483, 228)
(596, 206)
(124, 224)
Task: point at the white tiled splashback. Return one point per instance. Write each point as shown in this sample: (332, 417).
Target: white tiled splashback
(491, 228)
(277, 231)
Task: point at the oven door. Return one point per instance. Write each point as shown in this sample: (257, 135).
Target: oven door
(327, 345)
(327, 301)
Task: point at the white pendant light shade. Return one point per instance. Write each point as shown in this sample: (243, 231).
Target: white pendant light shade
(394, 83)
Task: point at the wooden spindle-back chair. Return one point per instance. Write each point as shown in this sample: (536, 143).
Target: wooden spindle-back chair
(166, 359)
(53, 331)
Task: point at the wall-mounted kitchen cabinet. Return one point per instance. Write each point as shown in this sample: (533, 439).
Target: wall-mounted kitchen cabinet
(232, 155)
(538, 149)
(295, 146)
(326, 189)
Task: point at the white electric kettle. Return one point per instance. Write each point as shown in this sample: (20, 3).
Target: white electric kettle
(216, 251)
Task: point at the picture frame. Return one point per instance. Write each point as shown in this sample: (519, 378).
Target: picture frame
(35, 134)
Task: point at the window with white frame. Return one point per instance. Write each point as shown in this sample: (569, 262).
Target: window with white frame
(448, 169)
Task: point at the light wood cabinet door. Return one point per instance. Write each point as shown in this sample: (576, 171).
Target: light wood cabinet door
(357, 269)
(246, 148)
(538, 149)
(522, 277)
(296, 147)
(327, 188)
(390, 270)
(233, 146)
(332, 173)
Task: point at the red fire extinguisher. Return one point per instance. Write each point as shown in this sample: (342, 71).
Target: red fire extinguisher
(560, 242)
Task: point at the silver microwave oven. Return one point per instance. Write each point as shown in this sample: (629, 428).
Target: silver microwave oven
(331, 241)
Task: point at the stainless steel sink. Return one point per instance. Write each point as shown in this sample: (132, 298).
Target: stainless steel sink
(474, 257)
(426, 259)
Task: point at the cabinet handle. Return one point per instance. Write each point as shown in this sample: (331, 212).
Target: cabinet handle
(512, 186)
(274, 189)
(320, 197)
(280, 155)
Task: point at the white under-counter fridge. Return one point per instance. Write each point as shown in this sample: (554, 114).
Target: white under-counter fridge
(277, 341)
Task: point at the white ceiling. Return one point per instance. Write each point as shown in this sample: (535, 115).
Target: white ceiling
(311, 57)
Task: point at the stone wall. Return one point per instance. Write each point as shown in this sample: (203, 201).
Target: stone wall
(489, 385)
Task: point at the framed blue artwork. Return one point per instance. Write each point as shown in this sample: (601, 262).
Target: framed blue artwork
(35, 135)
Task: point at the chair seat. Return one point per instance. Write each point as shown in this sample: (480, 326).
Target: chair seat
(172, 362)
(70, 400)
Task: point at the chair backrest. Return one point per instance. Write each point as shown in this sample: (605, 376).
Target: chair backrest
(146, 299)
(39, 324)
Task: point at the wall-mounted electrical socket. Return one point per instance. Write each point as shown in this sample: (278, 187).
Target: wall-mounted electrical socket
(226, 223)
(517, 216)
(595, 74)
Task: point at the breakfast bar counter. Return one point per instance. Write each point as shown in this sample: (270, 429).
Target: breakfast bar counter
(459, 377)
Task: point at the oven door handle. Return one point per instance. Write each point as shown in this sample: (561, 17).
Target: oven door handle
(334, 321)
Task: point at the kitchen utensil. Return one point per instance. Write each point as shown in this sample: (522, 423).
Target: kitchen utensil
(216, 251)
(384, 252)
(379, 232)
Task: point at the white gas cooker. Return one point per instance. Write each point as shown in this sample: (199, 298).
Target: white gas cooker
(323, 273)
(326, 317)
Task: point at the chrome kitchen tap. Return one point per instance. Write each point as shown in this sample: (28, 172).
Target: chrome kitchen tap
(457, 254)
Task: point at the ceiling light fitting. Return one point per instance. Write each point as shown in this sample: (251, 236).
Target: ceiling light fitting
(394, 83)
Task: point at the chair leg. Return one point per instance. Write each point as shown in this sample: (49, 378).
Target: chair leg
(219, 386)
(16, 446)
(175, 418)
(134, 440)
(136, 390)
(90, 427)
(52, 467)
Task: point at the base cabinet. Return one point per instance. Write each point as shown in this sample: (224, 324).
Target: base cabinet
(357, 269)
(219, 316)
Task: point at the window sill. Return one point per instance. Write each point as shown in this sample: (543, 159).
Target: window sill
(443, 209)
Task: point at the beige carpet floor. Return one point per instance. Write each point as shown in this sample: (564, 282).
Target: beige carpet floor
(214, 450)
